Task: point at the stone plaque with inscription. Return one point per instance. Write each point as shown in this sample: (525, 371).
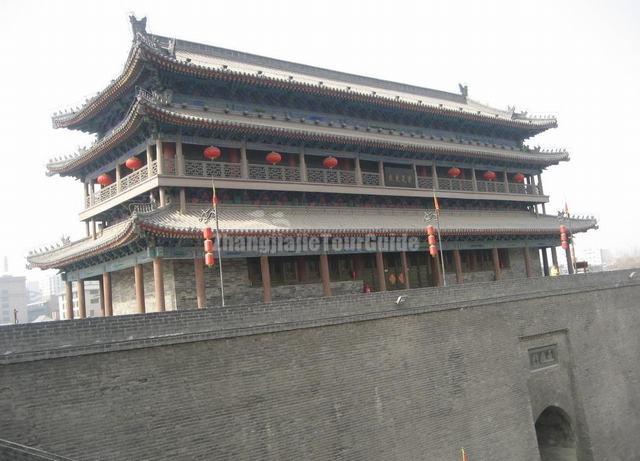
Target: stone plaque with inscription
(541, 357)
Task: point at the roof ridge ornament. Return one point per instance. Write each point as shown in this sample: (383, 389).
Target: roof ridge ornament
(464, 90)
(138, 25)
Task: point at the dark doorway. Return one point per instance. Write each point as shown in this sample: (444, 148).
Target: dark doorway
(556, 439)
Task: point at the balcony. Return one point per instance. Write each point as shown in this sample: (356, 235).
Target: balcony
(274, 173)
(323, 175)
(200, 169)
(207, 169)
(455, 184)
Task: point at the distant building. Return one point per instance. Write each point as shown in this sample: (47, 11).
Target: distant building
(92, 297)
(39, 309)
(13, 299)
(594, 257)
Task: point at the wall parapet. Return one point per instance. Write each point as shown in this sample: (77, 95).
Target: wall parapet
(30, 342)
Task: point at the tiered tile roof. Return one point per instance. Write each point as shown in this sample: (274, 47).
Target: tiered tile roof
(154, 107)
(212, 62)
(298, 220)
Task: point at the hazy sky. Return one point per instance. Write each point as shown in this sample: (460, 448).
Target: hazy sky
(579, 60)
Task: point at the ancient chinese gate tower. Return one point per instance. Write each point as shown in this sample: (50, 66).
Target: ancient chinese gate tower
(303, 152)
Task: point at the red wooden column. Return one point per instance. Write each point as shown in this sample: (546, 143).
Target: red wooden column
(438, 279)
(108, 299)
(158, 280)
(496, 263)
(324, 273)
(138, 276)
(101, 295)
(82, 304)
(266, 279)
(569, 260)
(68, 300)
(201, 296)
(527, 261)
(457, 261)
(382, 283)
(405, 268)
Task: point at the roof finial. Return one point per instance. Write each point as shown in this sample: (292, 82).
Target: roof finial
(464, 89)
(138, 25)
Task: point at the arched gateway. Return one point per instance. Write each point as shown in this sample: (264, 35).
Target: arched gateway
(556, 439)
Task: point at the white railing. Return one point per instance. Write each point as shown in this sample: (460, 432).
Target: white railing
(274, 173)
(490, 186)
(529, 189)
(208, 169)
(425, 182)
(134, 178)
(105, 193)
(323, 175)
(455, 184)
(370, 179)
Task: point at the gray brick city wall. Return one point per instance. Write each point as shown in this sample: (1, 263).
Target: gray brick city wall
(354, 377)
(124, 294)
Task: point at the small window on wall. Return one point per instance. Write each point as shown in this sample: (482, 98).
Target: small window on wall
(255, 274)
(313, 268)
(340, 267)
(485, 260)
(503, 254)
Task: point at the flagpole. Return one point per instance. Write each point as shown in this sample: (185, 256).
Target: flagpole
(573, 246)
(437, 206)
(214, 200)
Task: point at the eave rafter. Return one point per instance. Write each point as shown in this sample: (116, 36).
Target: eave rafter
(146, 106)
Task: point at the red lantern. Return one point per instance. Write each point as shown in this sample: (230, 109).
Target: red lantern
(563, 237)
(133, 163)
(518, 177)
(454, 172)
(208, 246)
(212, 153)
(273, 158)
(433, 250)
(104, 179)
(431, 230)
(431, 239)
(207, 233)
(169, 149)
(564, 229)
(565, 245)
(489, 175)
(209, 259)
(330, 162)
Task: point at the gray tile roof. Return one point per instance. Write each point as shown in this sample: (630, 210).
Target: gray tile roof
(268, 219)
(274, 220)
(195, 56)
(156, 108)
